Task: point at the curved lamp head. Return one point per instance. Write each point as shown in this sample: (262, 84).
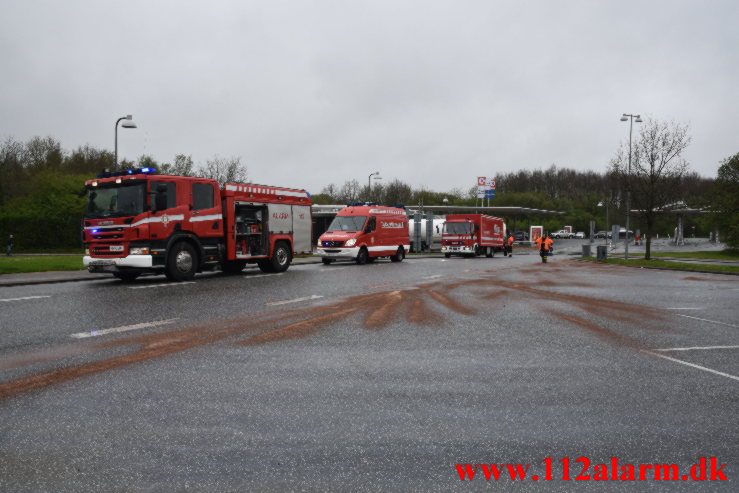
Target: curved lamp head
(624, 118)
(128, 124)
(638, 119)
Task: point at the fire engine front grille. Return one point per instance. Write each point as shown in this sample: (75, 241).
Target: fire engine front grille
(332, 244)
(106, 237)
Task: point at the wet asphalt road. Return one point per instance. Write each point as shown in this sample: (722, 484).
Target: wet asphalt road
(378, 377)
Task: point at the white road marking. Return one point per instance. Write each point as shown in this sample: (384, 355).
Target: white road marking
(684, 308)
(263, 275)
(26, 298)
(168, 284)
(692, 365)
(125, 328)
(332, 269)
(296, 300)
(697, 348)
(706, 320)
(433, 277)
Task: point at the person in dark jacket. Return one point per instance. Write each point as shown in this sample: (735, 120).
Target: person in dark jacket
(9, 246)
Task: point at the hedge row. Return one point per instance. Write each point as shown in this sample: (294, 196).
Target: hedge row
(34, 233)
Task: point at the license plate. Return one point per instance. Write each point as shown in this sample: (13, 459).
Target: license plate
(116, 248)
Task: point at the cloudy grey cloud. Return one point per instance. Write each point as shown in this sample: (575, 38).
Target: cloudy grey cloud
(434, 93)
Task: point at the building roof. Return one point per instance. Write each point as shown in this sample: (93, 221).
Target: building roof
(331, 210)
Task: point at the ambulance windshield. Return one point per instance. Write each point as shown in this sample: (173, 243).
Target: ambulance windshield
(347, 223)
(460, 228)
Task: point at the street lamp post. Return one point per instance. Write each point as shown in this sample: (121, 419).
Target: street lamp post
(127, 124)
(369, 184)
(630, 118)
(602, 204)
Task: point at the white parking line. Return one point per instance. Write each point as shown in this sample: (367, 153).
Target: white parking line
(697, 348)
(433, 277)
(25, 298)
(263, 275)
(693, 365)
(165, 285)
(706, 320)
(125, 328)
(684, 308)
(296, 300)
(332, 269)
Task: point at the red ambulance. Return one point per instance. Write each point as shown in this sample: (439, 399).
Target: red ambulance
(365, 232)
(471, 235)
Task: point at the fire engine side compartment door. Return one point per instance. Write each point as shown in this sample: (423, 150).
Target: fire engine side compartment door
(280, 218)
(302, 226)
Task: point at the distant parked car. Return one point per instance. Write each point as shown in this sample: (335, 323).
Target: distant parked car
(563, 234)
(580, 235)
(521, 236)
(603, 234)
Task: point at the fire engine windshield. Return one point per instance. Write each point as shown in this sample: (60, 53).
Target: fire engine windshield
(115, 201)
(347, 223)
(457, 228)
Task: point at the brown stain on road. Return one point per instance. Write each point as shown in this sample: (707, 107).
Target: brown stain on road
(379, 309)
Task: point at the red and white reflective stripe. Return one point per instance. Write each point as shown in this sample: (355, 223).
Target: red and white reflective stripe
(159, 219)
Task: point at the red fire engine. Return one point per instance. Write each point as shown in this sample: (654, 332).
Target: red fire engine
(139, 222)
(365, 232)
(470, 235)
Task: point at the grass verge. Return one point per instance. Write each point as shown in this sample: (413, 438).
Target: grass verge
(668, 264)
(20, 264)
(728, 254)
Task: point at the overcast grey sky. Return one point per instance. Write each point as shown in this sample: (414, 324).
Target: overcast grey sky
(432, 92)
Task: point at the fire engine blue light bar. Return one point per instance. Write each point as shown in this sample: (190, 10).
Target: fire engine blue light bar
(135, 171)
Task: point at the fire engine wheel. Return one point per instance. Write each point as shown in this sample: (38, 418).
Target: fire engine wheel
(127, 276)
(327, 261)
(398, 257)
(489, 252)
(181, 263)
(280, 260)
(448, 255)
(362, 256)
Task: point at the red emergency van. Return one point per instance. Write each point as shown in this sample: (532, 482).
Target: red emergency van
(470, 235)
(365, 232)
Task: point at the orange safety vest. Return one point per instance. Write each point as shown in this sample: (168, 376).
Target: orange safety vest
(544, 243)
(511, 239)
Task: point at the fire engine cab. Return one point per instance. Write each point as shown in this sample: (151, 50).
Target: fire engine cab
(364, 232)
(138, 222)
(470, 235)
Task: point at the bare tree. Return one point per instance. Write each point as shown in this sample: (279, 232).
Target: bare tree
(657, 170)
(330, 191)
(224, 170)
(350, 192)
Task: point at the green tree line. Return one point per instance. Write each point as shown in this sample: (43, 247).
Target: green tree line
(42, 194)
(42, 199)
